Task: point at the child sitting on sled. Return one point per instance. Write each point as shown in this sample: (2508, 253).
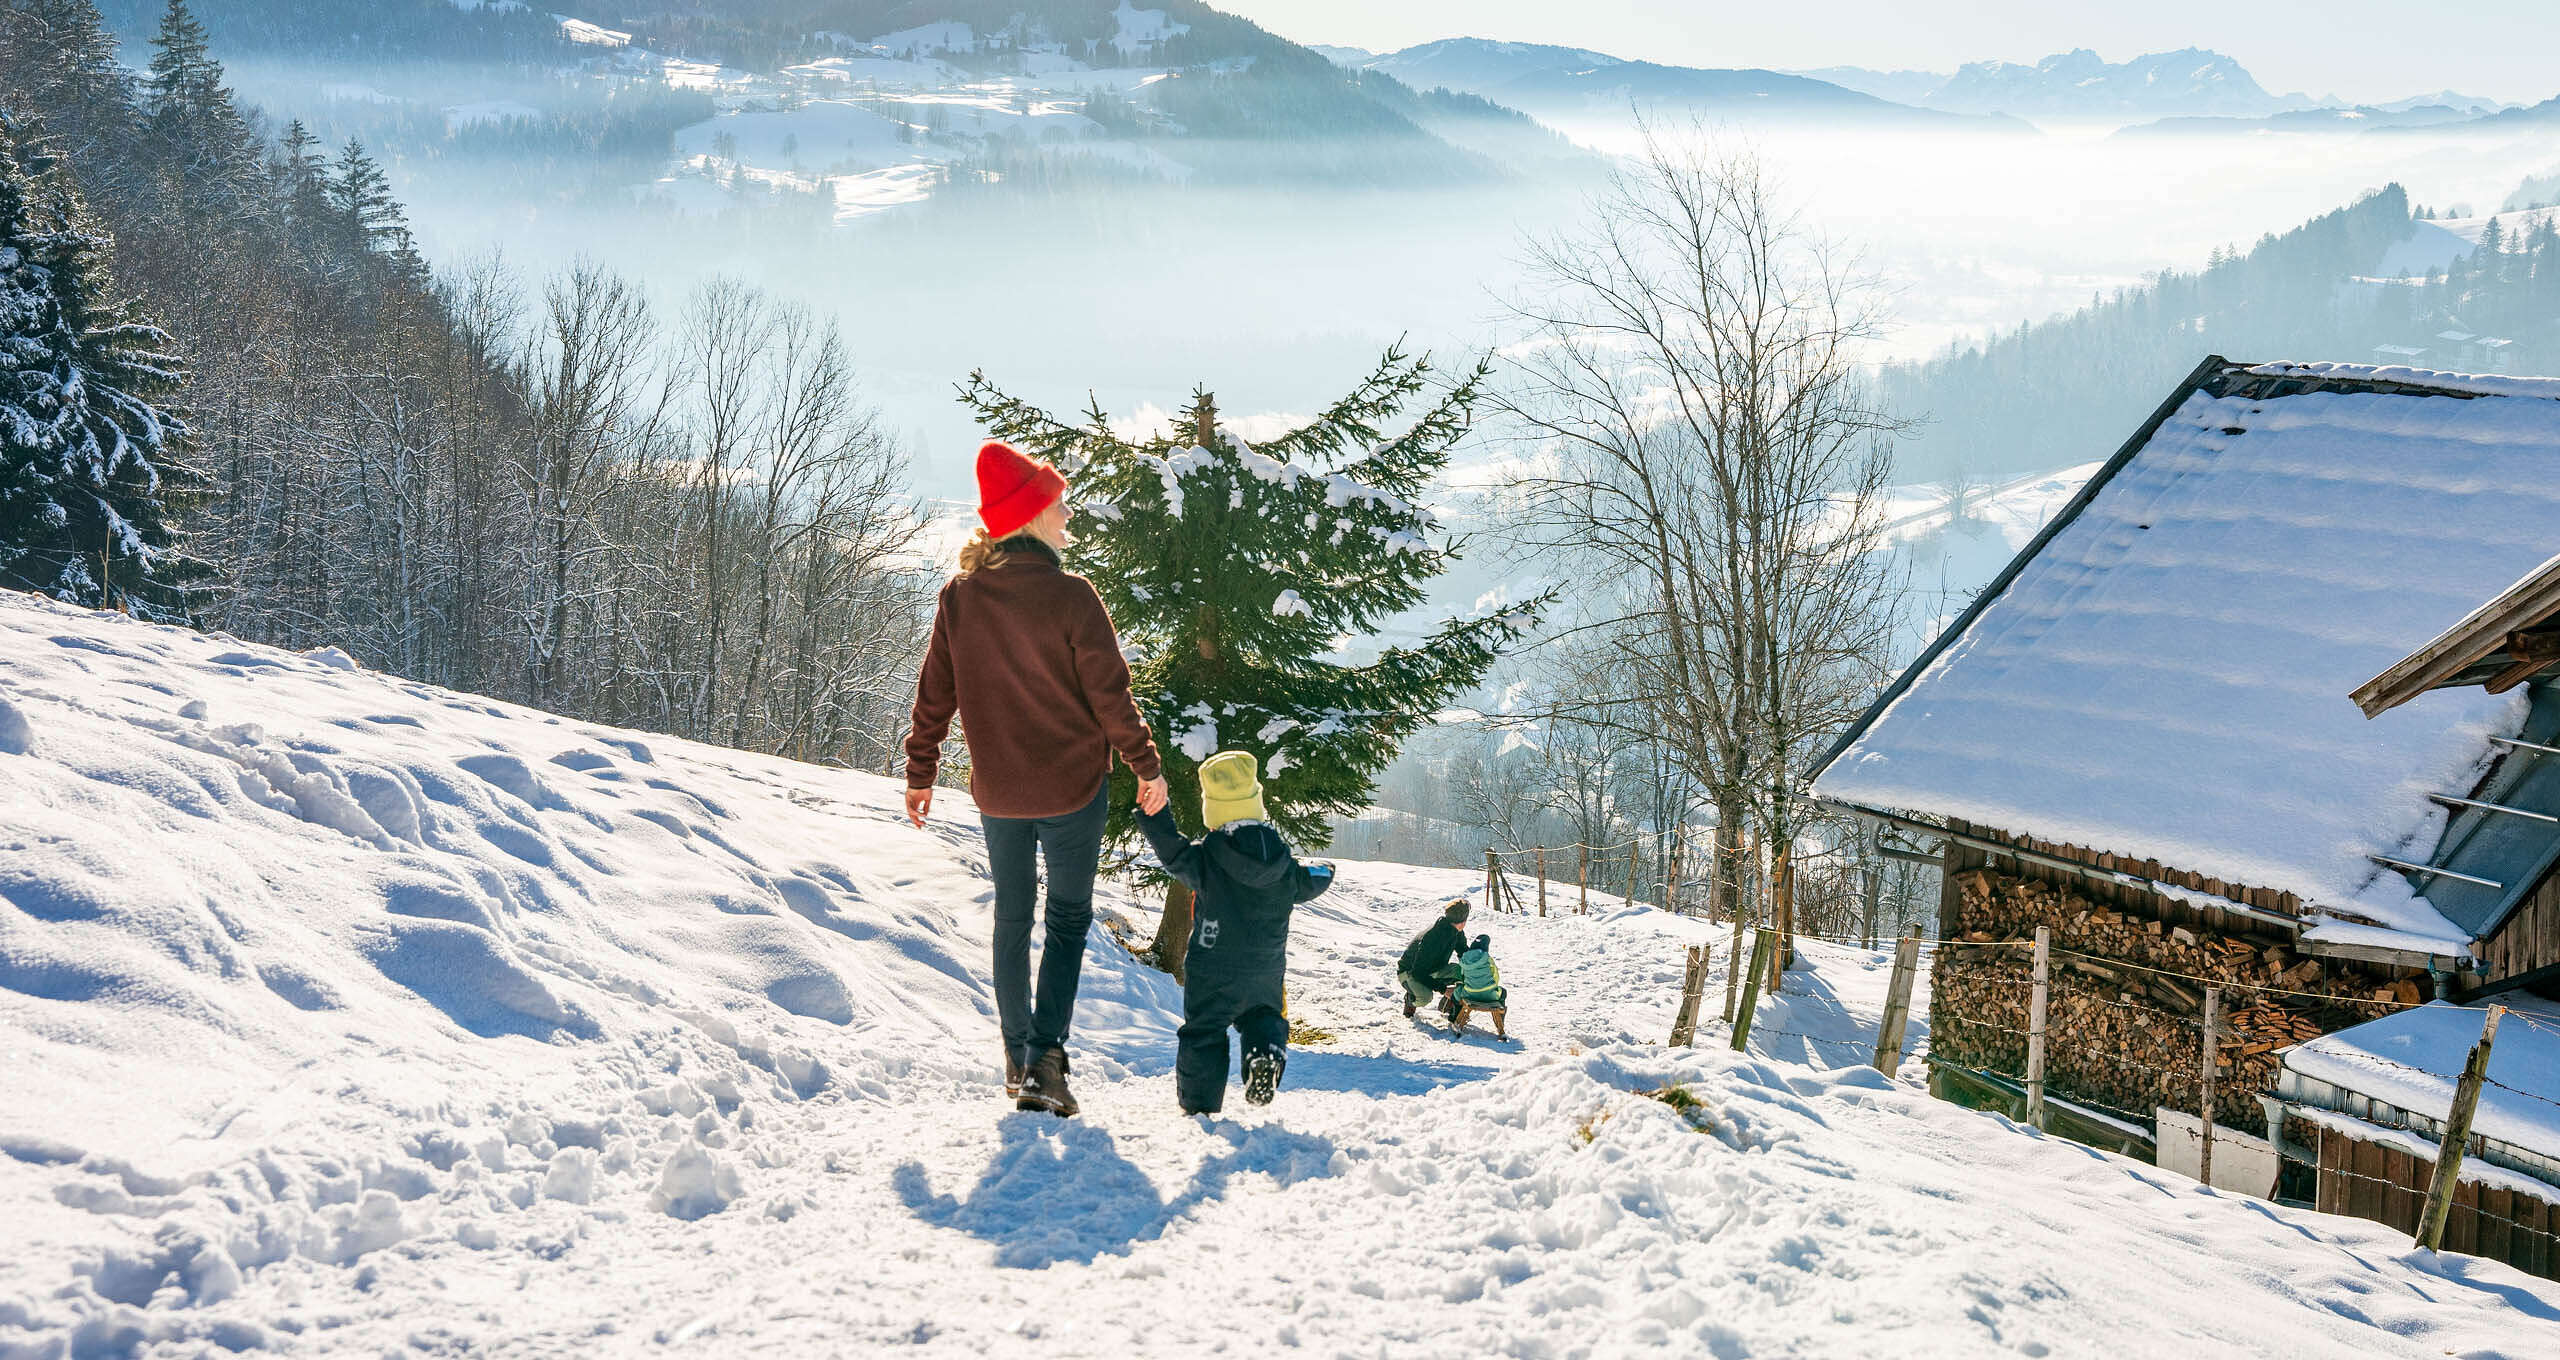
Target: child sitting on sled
(1479, 988)
(1244, 882)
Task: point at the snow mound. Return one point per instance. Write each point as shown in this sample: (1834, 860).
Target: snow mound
(299, 962)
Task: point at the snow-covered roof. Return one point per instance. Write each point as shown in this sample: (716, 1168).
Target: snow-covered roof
(2164, 673)
(2413, 1059)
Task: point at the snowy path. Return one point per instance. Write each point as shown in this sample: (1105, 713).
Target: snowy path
(341, 1015)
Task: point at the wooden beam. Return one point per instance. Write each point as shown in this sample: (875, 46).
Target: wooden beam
(2534, 644)
(2479, 636)
(2515, 674)
(2394, 958)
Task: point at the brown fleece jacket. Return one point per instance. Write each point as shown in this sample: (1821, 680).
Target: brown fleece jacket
(1026, 655)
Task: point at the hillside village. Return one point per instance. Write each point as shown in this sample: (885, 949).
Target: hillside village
(567, 581)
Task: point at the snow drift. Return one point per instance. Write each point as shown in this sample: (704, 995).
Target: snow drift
(299, 962)
(344, 1015)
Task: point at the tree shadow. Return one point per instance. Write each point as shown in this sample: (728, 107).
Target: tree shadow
(1062, 1192)
(1807, 1022)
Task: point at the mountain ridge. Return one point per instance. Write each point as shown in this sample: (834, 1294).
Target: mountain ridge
(1548, 81)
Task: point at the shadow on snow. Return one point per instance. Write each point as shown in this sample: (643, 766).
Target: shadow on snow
(1062, 1192)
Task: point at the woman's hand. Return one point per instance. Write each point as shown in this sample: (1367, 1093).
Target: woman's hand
(1153, 794)
(919, 802)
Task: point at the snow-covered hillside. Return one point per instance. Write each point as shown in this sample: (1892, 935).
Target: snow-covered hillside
(2434, 243)
(1953, 540)
(345, 1015)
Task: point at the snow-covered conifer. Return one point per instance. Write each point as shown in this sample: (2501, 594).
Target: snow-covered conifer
(1240, 574)
(88, 462)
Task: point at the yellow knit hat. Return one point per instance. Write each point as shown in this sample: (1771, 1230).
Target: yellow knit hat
(1229, 792)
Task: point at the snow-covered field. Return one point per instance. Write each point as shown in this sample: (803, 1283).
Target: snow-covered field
(344, 1015)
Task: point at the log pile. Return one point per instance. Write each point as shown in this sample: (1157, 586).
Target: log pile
(2123, 1019)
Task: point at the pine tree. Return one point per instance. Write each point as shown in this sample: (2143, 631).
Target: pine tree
(57, 56)
(196, 128)
(370, 215)
(87, 462)
(1235, 573)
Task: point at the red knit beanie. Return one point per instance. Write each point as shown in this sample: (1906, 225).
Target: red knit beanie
(1013, 488)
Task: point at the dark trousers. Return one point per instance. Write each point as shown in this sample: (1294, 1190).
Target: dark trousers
(1201, 1063)
(1071, 845)
(1419, 991)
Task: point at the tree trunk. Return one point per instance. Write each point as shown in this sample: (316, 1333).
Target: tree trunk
(1724, 864)
(1173, 931)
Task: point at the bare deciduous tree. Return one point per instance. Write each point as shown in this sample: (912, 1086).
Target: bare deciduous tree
(1702, 455)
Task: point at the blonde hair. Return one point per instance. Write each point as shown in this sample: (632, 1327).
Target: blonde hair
(981, 552)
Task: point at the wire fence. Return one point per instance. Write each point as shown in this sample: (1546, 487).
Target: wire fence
(2399, 1203)
(2156, 1049)
(2113, 1054)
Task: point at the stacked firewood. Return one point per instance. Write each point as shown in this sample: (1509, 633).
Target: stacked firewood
(2125, 999)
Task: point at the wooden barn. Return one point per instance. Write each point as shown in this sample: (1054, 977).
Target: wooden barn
(2365, 1108)
(2139, 737)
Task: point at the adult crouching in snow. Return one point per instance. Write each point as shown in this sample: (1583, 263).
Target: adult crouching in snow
(1427, 967)
(1025, 654)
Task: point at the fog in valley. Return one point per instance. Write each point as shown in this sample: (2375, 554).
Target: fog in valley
(1137, 278)
(1111, 208)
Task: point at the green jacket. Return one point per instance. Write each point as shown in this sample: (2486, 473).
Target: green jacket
(1476, 968)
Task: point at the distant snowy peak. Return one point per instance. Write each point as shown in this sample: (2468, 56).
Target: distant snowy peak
(2189, 84)
(1550, 82)
(2080, 83)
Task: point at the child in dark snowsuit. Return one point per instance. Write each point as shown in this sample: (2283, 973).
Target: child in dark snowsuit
(1244, 883)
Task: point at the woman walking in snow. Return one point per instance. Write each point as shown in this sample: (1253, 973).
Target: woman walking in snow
(1025, 654)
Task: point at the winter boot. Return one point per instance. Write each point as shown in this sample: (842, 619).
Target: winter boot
(1044, 1087)
(1262, 1067)
(1012, 1075)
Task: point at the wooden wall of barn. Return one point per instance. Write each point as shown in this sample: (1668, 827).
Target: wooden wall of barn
(2529, 942)
(2389, 1185)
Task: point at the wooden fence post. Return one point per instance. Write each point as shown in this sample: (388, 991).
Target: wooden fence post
(1542, 880)
(1582, 877)
(2457, 1134)
(1763, 947)
(1897, 1002)
(2204, 1102)
(1492, 882)
(1671, 885)
(1635, 846)
(1693, 985)
(2035, 1030)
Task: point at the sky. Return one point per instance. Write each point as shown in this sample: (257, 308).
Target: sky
(2372, 50)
